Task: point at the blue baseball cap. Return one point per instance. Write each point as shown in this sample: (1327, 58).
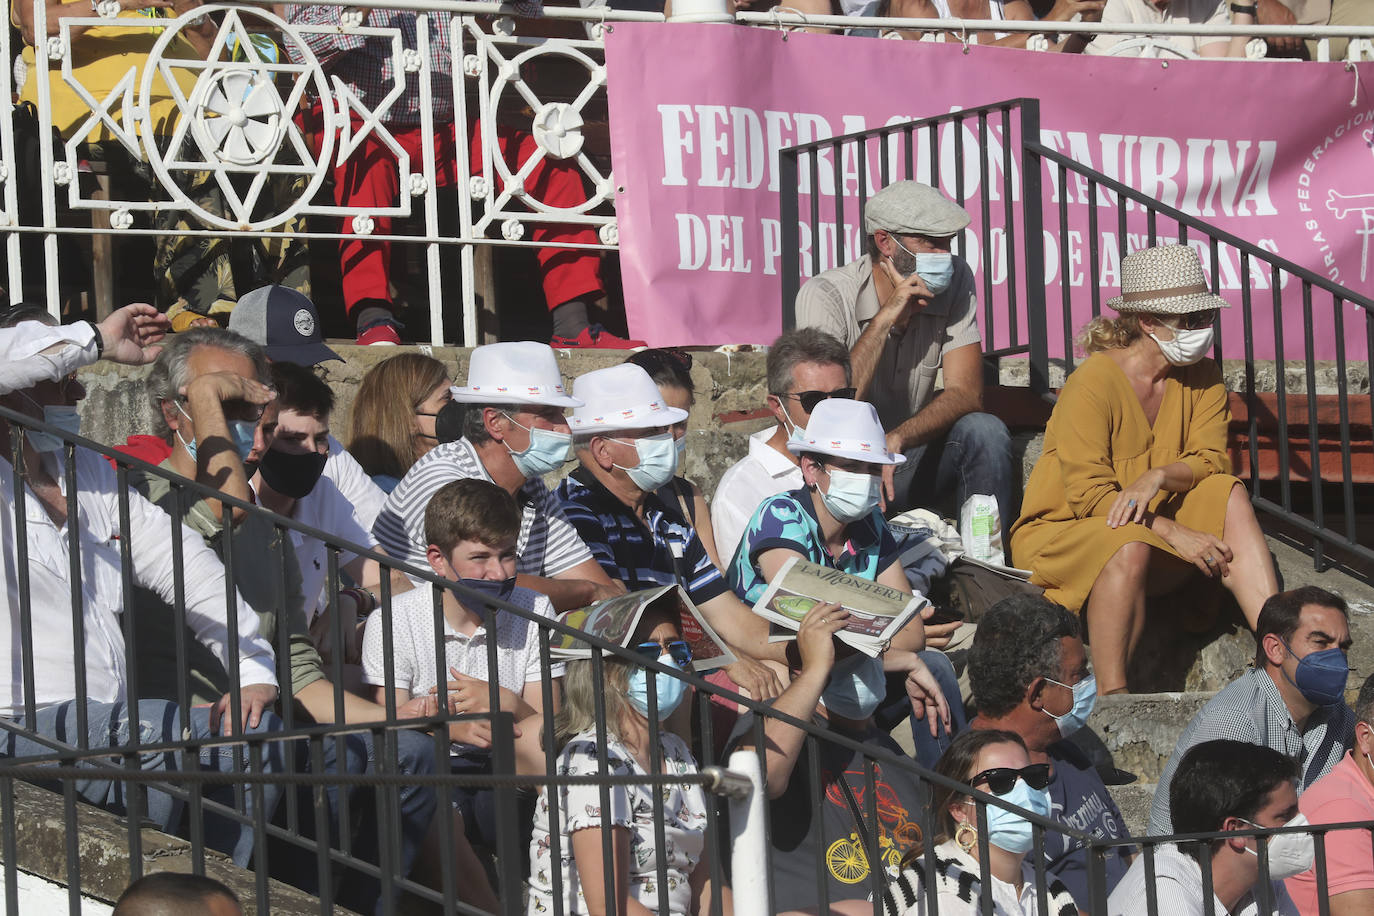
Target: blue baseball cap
(284, 322)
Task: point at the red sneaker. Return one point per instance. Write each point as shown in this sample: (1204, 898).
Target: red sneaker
(596, 337)
(380, 334)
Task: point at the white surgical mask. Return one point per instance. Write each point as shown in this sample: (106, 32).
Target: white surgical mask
(657, 461)
(1187, 347)
(1289, 853)
(851, 496)
(64, 417)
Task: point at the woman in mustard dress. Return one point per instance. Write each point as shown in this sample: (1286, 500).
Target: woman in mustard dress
(1133, 490)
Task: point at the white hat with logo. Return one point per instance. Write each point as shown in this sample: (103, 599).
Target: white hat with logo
(845, 429)
(621, 397)
(517, 372)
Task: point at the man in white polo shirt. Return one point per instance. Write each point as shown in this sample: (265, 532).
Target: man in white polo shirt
(514, 433)
(805, 367)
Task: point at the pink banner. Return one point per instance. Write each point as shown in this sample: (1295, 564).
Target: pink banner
(1274, 153)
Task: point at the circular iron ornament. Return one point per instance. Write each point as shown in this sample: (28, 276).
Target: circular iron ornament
(236, 122)
(557, 126)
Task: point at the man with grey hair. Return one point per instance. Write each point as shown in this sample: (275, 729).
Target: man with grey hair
(805, 366)
(1030, 676)
(907, 310)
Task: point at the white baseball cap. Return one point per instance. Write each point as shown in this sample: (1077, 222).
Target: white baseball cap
(846, 429)
(621, 397)
(518, 372)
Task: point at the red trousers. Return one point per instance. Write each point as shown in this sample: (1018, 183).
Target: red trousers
(370, 178)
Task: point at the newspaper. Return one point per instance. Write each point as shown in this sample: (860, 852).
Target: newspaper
(615, 619)
(877, 612)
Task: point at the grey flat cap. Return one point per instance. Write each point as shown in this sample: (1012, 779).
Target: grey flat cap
(912, 208)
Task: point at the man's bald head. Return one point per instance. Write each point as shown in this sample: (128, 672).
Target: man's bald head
(168, 893)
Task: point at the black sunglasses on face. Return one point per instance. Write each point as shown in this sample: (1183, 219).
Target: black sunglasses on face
(809, 399)
(1196, 321)
(1001, 779)
(677, 648)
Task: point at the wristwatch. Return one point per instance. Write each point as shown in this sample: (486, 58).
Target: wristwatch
(1249, 9)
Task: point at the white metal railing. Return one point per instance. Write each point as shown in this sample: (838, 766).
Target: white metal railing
(269, 171)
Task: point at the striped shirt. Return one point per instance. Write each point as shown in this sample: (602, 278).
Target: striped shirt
(548, 545)
(661, 550)
(1252, 710)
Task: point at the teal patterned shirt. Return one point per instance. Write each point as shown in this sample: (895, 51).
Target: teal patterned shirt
(788, 520)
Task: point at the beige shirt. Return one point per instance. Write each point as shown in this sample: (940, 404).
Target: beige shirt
(842, 301)
(1144, 12)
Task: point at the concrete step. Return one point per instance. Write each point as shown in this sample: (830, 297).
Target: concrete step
(102, 842)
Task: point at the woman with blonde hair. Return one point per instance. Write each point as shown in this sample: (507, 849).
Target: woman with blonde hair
(402, 410)
(995, 762)
(581, 868)
(1133, 491)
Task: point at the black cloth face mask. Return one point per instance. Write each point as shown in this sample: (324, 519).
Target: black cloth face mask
(290, 473)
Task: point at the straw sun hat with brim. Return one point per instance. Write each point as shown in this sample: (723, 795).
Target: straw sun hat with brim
(1166, 280)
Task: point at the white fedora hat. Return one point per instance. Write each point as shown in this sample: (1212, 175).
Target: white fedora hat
(519, 372)
(621, 397)
(845, 429)
(1165, 280)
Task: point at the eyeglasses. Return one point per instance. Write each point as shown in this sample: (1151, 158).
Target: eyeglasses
(1001, 779)
(1196, 321)
(677, 648)
(809, 399)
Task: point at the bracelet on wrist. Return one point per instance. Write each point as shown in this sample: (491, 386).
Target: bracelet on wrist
(99, 341)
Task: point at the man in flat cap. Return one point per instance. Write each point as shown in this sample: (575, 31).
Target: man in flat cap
(907, 310)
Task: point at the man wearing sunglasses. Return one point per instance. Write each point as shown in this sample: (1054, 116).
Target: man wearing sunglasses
(907, 311)
(1029, 675)
(805, 367)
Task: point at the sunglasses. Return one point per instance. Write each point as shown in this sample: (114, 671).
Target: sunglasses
(677, 648)
(809, 399)
(1196, 321)
(1001, 779)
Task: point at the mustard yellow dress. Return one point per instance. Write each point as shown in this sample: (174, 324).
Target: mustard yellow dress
(1097, 443)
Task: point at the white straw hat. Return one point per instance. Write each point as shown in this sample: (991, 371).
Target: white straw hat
(1165, 280)
(519, 372)
(621, 397)
(846, 429)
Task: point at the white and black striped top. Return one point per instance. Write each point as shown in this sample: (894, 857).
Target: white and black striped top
(548, 545)
(958, 886)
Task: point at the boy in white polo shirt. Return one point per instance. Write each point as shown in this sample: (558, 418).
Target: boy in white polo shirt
(471, 526)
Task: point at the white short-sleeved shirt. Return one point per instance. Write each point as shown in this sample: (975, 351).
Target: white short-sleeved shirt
(327, 509)
(354, 483)
(1146, 13)
(745, 484)
(632, 807)
(412, 620)
(1178, 889)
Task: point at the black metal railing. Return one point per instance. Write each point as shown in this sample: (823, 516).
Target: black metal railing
(291, 832)
(1314, 505)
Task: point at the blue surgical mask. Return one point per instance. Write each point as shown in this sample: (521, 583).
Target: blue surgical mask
(243, 432)
(935, 268)
(548, 451)
(797, 432)
(1084, 702)
(657, 461)
(857, 685)
(668, 689)
(499, 589)
(1321, 676)
(851, 496)
(64, 417)
(1009, 830)
(681, 445)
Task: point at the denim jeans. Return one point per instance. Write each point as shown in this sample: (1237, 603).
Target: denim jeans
(897, 706)
(974, 457)
(107, 725)
(415, 755)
